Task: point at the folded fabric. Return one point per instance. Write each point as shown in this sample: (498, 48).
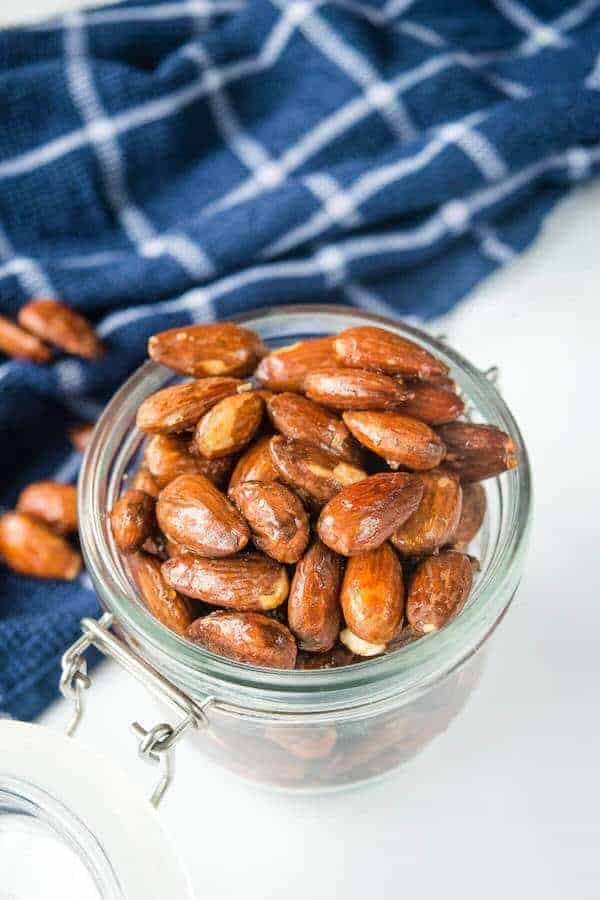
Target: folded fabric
(180, 160)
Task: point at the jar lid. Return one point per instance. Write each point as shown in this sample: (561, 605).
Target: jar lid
(71, 814)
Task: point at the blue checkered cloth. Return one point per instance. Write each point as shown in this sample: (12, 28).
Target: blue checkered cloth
(167, 161)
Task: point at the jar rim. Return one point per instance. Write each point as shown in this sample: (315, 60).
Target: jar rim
(405, 670)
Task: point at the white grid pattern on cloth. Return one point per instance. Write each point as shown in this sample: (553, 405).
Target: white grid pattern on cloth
(159, 13)
(29, 274)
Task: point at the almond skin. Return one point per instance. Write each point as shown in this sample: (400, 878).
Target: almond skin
(330, 659)
(29, 547)
(167, 456)
(369, 347)
(313, 473)
(432, 403)
(399, 439)
(229, 425)
(80, 435)
(255, 465)
(345, 388)
(133, 520)
(246, 637)
(372, 595)
(286, 368)
(477, 452)
(299, 418)
(438, 591)
(17, 343)
(473, 511)
(144, 481)
(192, 512)
(277, 518)
(53, 503)
(165, 604)
(364, 515)
(434, 522)
(179, 408)
(221, 348)
(247, 582)
(60, 325)
(313, 604)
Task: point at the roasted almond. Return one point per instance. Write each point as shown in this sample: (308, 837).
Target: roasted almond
(316, 742)
(277, 518)
(60, 325)
(221, 348)
(179, 408)
(247, 637)
(476, 452)
(372, 595)
(432, 403)
(167, 456)
(17, 343)
(144, 481)
(438, 590)
(313, 604)
(165, 604)
(341, 388)
(255, 465)
(133, 520)
(30, 547)
(364, 515)
(229, 425)
(399, 439)
(192, 512)
(474, 505)
(434, 522)
(299, 418)
(247, 582)
(312, 472)
(54, 503)
(286, 368)
(331, 659)
(80, 435)
(369, 347)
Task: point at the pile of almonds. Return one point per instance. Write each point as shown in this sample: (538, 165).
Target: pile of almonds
(43, 322)
(323, 508)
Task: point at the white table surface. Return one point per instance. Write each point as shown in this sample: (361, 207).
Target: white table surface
(506, 802)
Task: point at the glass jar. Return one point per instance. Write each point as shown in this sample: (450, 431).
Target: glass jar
(313, 730)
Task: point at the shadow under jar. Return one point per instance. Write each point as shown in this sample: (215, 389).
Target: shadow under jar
(324, 729)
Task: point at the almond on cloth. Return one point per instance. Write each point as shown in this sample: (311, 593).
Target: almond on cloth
(300, 419)
(364, 515)
(247, 637)
(477, 452)
(133, 520)
(344, 388)
(370, 347)
(438, 590)
(229, 425)
(474, 505)
(399, 439)
(165, 604)
(166, 456)
(58, 324)
(277, 518)
(254, 465)
(30, 547)
(434, 522)
(285, 369)
(313, 473)
(52, 502)
(179, 407)
(372, 595)
(313, 603)
(250, 581)
(220, 348)
(192, 512)
(19, 344)
(432, 403)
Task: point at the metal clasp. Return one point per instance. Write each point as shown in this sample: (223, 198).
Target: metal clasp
(156, 744)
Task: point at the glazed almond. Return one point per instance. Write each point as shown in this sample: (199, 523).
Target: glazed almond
(221, 348)
(52, 502)
(246, 637)
(474, 506)
(247, 582)
(165, 604)
(60, 325)
(432, 403)
(399, 439)
(438, 590)
(313, 604)
(286, 368)
(313, 473)
(19, 344)
(277, 518)
(345, 388)
(167, 456)
(477, 452)
(255, 465)
(300, 419)
(133, 520)
(179, 407)
(370, 347)
(144, 481)
(372, 595)
(30, 547)
(434, 522)
(229, 425)
(364, 515)
(192, 512)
